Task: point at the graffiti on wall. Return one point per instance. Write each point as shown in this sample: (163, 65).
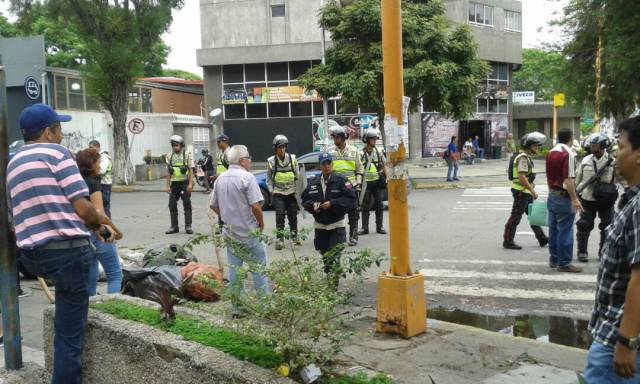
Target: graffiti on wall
(436, 134)
(499, 130)
(355, 126)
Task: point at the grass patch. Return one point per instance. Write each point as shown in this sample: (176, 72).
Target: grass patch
(361, 378)
(227, 341)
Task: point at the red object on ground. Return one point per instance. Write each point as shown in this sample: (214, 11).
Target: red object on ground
(206, 281)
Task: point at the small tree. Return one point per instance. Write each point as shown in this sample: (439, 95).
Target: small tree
(120, 40)
(440, 64)
(542, 71)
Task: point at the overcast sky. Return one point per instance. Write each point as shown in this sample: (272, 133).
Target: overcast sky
(184, 35)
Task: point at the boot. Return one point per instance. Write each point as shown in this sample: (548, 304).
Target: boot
(364, 231)
(174, 224)
(187, 221)
(583, 257)
(365, 223)
(511, 245)
(353, 236)
(188, 230)
(543, 240)
(582, 238)
(379, 228)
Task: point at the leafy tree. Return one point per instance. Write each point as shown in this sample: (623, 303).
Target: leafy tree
(440, 63)
(542, 71)
(614, 24)
(7, 29)
(179, 73)
(120, 39)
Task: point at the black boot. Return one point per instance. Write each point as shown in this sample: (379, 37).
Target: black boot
(511, 245)
(174, 224)
(365, 223)
(379, 221)
(353, 236)
(364, 231)
(187, 221)
(582, 238)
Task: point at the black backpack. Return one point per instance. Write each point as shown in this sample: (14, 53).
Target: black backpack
(512, 162)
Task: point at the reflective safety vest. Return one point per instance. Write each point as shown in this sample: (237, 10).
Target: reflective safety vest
(222, 164)
(178, 168)
(372, 174)
(283, 178)
(344, 162)
(515, 180)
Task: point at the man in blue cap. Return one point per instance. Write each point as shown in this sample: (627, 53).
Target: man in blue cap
(329, 197)
(53, 218)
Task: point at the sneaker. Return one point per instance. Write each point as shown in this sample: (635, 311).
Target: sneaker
(188, 230)
(363, 231)
(22, 293)
(381, 231)
(456, 179)
(511, 245)
(353, 242)
(570, 268)
(583, 257)
(172, 230)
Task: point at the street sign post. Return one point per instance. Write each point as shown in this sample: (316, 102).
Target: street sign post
(136, 127)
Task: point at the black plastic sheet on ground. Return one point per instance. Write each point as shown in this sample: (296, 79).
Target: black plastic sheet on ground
(148, 283)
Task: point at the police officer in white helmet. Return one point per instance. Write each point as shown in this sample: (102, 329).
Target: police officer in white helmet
(180, 167)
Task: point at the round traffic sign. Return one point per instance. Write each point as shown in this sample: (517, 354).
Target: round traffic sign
(136, 126)
(32, 88)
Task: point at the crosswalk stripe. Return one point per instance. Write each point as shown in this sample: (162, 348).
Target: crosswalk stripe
(519, 276)
(483, 261)
(439, 288)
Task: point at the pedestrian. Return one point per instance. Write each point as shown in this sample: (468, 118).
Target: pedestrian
(209, 170)
(522, 176)
(282, 175)
(179, 183)
(615, 321)
(89, 162)
(106, 176)
(596, 186)
(451, 156)
(329, 196)
(222, 163)
(376, 181)
(510, 146)
(237, 199)
(562, 203)
(53, 220)
(467, 152)
(479, 152)
(347, 163)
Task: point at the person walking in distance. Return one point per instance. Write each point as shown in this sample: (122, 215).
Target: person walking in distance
(563, 202)
(375, 177)
(451, 156)
(596, 185)
(328, 198)
(106, 176)
(615, 320)
(282, 174)
(522, 176)
(347, 163)
(53, 219)
(179, 183)
(208, 168)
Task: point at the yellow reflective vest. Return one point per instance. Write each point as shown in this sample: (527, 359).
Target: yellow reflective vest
(347, 162)
(515, 180)
(282, 175)
(375, 158)
(222, 164)
(178, 166)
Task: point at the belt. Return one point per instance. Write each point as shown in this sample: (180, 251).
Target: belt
(67, 244)
(560, 192)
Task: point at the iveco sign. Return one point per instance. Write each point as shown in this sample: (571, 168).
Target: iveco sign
(527, 97)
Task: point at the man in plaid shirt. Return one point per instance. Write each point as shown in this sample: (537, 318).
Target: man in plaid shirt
(615, 322)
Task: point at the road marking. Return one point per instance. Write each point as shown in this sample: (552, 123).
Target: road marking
(481, 209)
(520, 276)
(438, 288)
(481, 261)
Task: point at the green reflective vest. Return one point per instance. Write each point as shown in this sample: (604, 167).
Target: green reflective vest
(179, 167)
(284, 178)
(222, 164)
(344, 162)
(372, 173)
(515, 180)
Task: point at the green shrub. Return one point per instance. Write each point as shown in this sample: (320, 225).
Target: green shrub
(361, 378)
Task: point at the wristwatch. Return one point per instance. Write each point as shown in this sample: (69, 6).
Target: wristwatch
(632, 343)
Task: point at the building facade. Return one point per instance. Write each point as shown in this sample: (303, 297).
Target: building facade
(254, 50)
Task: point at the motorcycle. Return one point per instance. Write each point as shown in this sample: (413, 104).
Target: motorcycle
(201, 177)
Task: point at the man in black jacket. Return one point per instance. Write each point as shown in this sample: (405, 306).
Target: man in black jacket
(329, 197)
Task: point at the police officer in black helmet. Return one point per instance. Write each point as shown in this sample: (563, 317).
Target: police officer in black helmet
(179, 183)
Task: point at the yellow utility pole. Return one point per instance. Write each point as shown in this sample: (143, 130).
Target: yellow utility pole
(598, 96)
(401, 299)
(558, 102)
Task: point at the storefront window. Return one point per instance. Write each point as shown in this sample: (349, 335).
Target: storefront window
(278, 110)
(61, 92)
(234, 111)
(256, 111)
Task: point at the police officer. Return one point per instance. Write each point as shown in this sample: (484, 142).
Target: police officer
(282, 174)
(329, 196)
(347, 163)
(374, 174)
(222, 164)
(208, 169)
(594, 203)
(522, 176)
(179, 183)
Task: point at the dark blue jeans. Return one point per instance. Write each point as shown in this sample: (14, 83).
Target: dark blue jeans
(69, 269)
(561, 219)
(106, 198)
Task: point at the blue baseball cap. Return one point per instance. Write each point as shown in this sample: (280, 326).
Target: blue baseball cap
(324, 157)
(37, 117)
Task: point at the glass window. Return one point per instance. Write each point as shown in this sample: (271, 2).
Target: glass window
(298, 68)
(472, 13)
(480, 14)
(255, 92)
(147, 105)
(277, 11)
(317, 108)
(503, 106)
(278, 84)
(76, 93)
(92, 103)
(277, 71)
(135, 101)
(301, 109)
(234, 111)
(254, 72)
(493, 71)
(347, 109)
(256, 111)
(61, 92)
(512, 21)
(482, 105)
(488, 15)
(493, 105)
(232, 73)
(278, 110)
(503, 71)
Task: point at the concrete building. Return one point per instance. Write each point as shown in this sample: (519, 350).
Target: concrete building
(254, 50)
(538, 117)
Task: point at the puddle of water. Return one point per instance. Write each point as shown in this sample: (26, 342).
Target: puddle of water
(549, 329)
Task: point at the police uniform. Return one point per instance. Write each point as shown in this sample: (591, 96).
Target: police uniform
(222, 164)
(348, 164)
(106, 180)
(178, 165)
(521, 199)
(282, 175)
(592, 207)
(375, 186)
(330, 223)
